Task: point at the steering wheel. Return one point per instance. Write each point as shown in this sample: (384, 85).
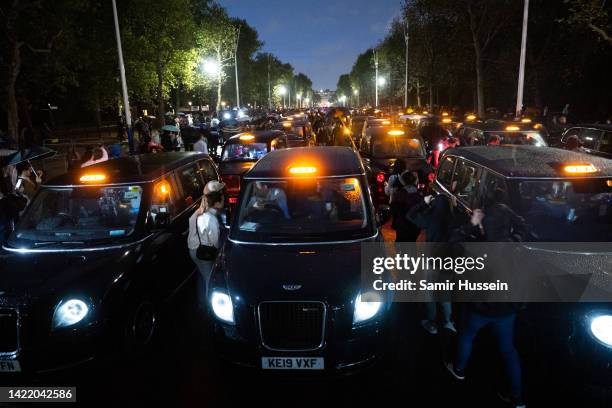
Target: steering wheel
(67, 217)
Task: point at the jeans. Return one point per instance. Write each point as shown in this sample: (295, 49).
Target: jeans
(205, 270)
(503, 328)
(431, 311)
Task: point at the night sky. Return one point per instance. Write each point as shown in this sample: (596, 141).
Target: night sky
(320, 38)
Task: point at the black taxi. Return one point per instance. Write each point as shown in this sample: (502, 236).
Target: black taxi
(285, 292)
(565, 199)
(241, 152)
(523, 132)
(94, 255)
(382, 146)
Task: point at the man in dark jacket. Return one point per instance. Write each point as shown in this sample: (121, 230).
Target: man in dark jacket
(499, 316)
(405, 197)
(435, 215)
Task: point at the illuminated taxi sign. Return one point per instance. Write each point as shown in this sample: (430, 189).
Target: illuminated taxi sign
(447, 120)
(300, 170)
(395, 132)
(386, 122)
(537, 126)
(526, 120)
(247, 137)
(512, 128)
(425, 113)
(580, 168)
(444, 113)
(287, 124)
(470, 117)
(609, 183)
(92, 178)
(162, 188)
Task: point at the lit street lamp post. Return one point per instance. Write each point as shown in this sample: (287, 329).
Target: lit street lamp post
(282, 90)
(356, 93)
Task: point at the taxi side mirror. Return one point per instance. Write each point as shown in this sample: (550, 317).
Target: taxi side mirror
(383, 214)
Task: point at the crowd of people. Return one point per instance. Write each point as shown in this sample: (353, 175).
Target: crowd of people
(418, 216)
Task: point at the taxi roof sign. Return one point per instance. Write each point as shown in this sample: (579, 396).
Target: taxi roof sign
(302, 170)
(395, 132)
(92, 178)
(580, 168)
(247, 137)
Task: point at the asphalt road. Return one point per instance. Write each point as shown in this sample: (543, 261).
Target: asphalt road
(183, 370)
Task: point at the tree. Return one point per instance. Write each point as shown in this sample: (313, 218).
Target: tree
(344, 87)
(593, 14)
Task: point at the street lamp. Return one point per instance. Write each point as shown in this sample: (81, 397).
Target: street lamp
(211, 67)
(380, 82)
(306, 102)
(356, 93)
(282, 90)
(299, 98)
(343, 100)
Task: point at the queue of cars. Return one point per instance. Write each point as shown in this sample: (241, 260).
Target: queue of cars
(99, 249)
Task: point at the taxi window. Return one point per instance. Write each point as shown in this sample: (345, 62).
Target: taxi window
(247, 151)
(494, 190)
(191, 183)
(81, 214)
(466, 181)
(207, 171)
(590, 138)
(445, 171)
(606, 143)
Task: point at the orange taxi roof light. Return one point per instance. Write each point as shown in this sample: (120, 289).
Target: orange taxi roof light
(247, 137)
(470, 117)
(444, 113)
(395, 132)
(386, 122)
(512, 128)
(580, 168)
(286, 124)
(447, 120)
(92, 178)
(303, 170)
(526, 120)
(162, 188)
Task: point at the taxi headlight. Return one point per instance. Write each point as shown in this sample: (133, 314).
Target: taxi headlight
(366, 306)
(222, 306)
(69, 312)
(601, 329)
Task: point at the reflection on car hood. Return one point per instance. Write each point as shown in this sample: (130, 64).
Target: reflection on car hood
(41, 274)
(324, 272)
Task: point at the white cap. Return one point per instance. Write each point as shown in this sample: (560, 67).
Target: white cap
(214, 186)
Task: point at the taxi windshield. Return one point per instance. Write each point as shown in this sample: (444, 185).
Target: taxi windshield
(388, 147)
(80, 214)
(567, 210)
(303, 210)
(529, 138)
(246, 151)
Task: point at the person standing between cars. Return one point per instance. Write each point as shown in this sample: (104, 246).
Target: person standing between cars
(25, 185)
(405, 197)
(205, 234)
(434, 215)
(499, 316)
(391, 186)
(201, 145)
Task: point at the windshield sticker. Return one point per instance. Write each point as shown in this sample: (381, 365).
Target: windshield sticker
(348, 187)
(249, 226)
(116, 233)
(131, 195)
(134, 189)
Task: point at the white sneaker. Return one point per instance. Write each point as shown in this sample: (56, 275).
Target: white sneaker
(429, 326)
(450, 326)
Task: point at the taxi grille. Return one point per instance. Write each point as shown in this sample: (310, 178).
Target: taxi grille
(9, 338)
(292, 325)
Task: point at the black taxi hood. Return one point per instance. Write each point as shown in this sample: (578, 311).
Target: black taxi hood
(38, 274)
(329, 272)
(235, 167)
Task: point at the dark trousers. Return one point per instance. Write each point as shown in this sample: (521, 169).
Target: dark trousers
(503, 329)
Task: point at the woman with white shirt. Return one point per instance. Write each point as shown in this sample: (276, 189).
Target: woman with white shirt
(205, 230)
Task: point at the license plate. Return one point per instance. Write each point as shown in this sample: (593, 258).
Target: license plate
(292, 363)
(9, 366)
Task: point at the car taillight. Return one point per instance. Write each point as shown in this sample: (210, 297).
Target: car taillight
(233, 200)
(232, 184)
(380, 177)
